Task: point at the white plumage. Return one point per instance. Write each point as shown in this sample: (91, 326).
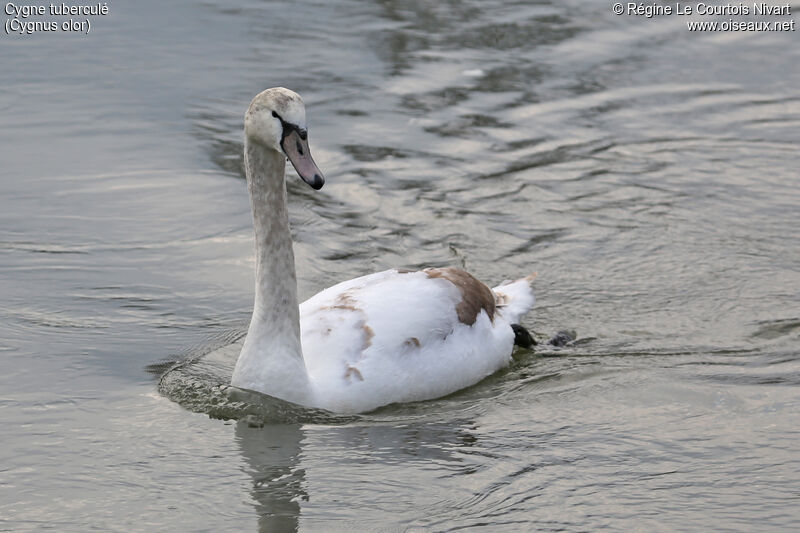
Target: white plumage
(393, 336)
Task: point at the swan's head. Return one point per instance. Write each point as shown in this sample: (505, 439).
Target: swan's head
(276, 120)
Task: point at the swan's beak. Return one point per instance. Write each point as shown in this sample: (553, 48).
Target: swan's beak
(295, 146)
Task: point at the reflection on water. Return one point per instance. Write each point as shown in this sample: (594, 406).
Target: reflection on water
(272, 452)
(277, 458)
(647, 173)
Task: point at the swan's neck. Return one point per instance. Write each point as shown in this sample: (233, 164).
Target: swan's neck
(271, 360)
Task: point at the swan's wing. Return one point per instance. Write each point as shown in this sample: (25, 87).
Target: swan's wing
(384, 310)
(402, 336)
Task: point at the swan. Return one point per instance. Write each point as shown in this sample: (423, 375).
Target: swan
(389, 337)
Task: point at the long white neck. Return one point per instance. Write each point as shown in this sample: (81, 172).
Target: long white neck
(271, 360)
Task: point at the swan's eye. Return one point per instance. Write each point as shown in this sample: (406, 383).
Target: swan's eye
(274, 114)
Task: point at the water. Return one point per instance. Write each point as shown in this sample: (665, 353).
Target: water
(648, 174)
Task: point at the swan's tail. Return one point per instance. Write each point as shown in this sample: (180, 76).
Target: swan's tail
(514, 298)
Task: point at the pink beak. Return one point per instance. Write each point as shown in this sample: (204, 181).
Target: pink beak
(295, 146)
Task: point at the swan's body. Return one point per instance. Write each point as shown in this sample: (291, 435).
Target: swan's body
(393, 336)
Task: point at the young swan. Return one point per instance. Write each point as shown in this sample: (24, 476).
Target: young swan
(393, 336)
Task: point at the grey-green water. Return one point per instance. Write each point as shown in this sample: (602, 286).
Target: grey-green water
(648, 173)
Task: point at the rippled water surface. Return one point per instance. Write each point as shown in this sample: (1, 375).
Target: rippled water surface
(649, 174)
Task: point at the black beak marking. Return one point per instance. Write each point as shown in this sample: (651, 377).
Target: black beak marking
(300, 148)
(288, 127)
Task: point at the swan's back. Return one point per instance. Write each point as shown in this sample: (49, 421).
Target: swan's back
(398, 336)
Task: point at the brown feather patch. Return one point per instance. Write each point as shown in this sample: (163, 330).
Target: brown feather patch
(474, 294)
(353, 371)
(344, 301)
(368, 334)
(413, 342)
